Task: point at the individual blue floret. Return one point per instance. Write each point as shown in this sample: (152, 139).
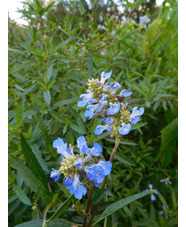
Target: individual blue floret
(166, 181)
(144, 20)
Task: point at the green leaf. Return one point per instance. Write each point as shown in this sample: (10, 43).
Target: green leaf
(60, 45)
(126, 209)
(21, 195)
(163, 200)
(49, 72)
(30, 179)
(47, 97)
(13, 207)
(37, 153)
(32, 162)
(57, 117)
(38, 223)
(64, 189)
(90, 65)
(121, 203)
(75, 76)
(63, 102)
(20, 110)
(43, 128)
(18, 87)
(61, 209)
(138, 125)
(122, 141)
(98, 195)
(169, 137)
(119, 158)
(77, 128)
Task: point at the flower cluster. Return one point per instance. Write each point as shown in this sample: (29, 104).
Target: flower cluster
(165, 211)
(103, 102)
(144, 20)
(166, 181)
(152, 197)
(80, 165)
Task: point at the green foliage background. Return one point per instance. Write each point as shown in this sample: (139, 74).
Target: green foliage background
(50, 61)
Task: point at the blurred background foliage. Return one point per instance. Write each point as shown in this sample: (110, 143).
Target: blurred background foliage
(50, 60)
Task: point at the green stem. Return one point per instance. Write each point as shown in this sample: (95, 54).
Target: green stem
(88, 206)
(105, 180)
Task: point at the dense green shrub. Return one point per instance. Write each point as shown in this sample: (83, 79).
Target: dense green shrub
(50, 62)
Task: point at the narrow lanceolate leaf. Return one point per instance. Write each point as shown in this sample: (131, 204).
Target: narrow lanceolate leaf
(64, 189)
(47, 97)
(98, 195)
(21, 195)
(41, 161)
(44, 131)
(61, 209)
(58, 117)
(119, 158)
(118, 205)
(38, 223)
(138, 125)
(32, 162)
(20, 110)
(122, 141)
(90, 65)
(60, 45)
(163, 200)
(33, 182)
(49, 72)
(63, 102)
(77, 128)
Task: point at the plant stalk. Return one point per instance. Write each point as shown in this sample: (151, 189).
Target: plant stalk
(105, 180)
(88, 205)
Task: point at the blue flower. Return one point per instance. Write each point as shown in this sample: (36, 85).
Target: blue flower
(113, 87)
(82, 145)
(75, 186)
(103, 100)
(92, 110)
(105, 76)
(97, 172)
(134, 116)
(61, 148)
(164, 211)
(114, 108)
(166, 181)
(55, 175)
(86, 98)
(125, 93)
(125, 129)
(96, 150)
(102, 168)
(89, 114)
(90, 172)
(152, 192)
(100, 128)
(144, 20)
(78, 163)
(73, 165)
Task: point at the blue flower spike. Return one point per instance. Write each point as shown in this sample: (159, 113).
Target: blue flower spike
(104, 101)
(73, 165)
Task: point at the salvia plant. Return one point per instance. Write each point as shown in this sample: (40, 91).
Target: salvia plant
(81, 165)
(88, 147)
